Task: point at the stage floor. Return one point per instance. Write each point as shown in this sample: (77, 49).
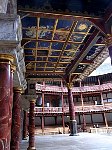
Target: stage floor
(84, 141)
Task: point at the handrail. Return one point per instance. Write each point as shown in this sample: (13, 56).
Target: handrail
(83, 89)
(91, 108)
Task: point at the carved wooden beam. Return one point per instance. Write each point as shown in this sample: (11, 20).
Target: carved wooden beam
(89, 44)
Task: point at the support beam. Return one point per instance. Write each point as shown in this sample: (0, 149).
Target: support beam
(42, 119)
(25, 125)
(32, 126)
(42, 124)
(89, 44)
(16, 120)
(83, 115)
(63, 118)
(5, 100)
(73, 122)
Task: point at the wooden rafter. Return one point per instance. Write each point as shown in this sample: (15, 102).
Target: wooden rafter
(53, 33)
(57, 31)
(45, 40)
(65, 44)
(59, 16)
(38, 20)
(89, 44)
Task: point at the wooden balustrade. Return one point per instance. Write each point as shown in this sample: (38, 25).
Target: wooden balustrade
(48, 109)
(87, 108)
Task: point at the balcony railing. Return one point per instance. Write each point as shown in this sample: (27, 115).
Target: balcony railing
(91, 108)
(48, 109)
(84, 89)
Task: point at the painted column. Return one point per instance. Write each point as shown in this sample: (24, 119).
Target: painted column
(55, 118)
(73, 122)
(13, 68)
(102, 102)
(25, 125)
(42, 121)
(83, 114)
(92, 120)
(42, 124)
(32, 126)
(63, 121)
(5, 75)
(16, 119)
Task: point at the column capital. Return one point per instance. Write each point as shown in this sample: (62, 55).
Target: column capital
(7, 57)
(18, 89)
(33, 100)
(69, 85)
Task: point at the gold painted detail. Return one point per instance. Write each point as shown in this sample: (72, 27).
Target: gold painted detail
(108, 40)
(82, 27)
(31, 148)
(33, 100)
(7, 57)
(69, 85)
(13, 67)
(18, 89)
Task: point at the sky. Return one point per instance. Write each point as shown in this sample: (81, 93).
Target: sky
(104, 68)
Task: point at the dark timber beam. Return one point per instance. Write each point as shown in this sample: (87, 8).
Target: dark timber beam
(103, 24)
(58, 15)
(89, 44)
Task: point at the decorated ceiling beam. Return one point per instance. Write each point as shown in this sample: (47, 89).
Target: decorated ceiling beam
(58, 15)
(89, 44)
(103, 24)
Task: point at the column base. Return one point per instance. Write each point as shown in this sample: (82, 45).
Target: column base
(31, 148)
(73, 128)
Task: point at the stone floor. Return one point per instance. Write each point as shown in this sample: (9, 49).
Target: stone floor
(84, 141)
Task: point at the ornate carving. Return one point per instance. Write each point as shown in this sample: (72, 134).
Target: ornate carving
(108, 40)
(7, 57)
(82, 27)
(69, 85)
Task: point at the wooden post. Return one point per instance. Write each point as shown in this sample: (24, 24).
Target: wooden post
(42, 122)
(106, 123)
(63, 121)
(79, 120)
(92, 119)
(83, 115)
(73, 122)
(32, 126)
(16, 119)
(25, 125)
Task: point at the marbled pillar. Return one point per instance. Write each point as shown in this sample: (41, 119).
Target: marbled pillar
(25, 125)
(5, 73)
(73, 122)
(16, 120)
(32, 126)
(13, 68)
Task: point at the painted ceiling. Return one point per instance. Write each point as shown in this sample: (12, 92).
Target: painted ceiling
(68, 6)
(51, 44)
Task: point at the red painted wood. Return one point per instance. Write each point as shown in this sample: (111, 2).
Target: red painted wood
(32, 126)
(16, 121)
(4, 106)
